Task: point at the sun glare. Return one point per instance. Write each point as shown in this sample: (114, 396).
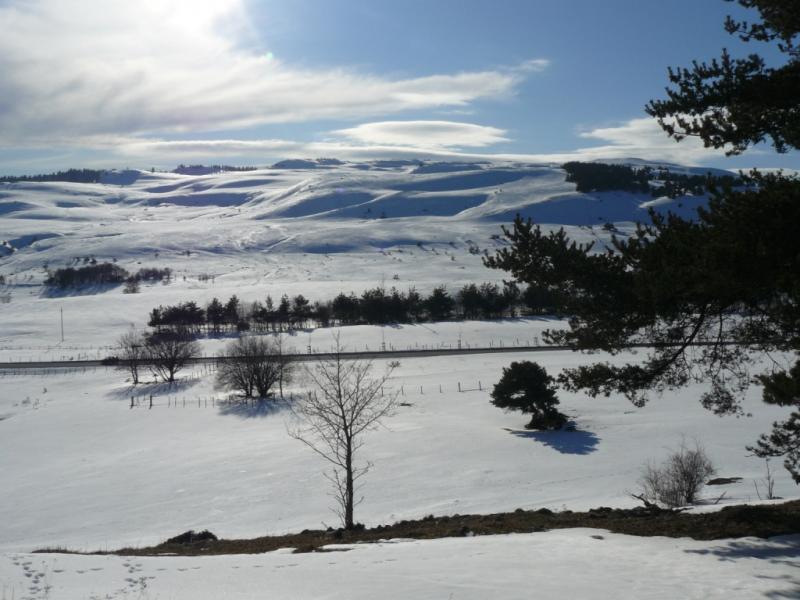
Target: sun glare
(195, 15)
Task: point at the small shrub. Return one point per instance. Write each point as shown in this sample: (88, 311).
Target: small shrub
(678, 480)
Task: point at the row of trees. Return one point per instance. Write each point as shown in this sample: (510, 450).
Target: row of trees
(373, 307)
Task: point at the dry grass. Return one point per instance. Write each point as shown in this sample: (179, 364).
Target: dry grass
(730, 522)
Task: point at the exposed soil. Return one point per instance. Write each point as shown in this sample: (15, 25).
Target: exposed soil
(730, 522)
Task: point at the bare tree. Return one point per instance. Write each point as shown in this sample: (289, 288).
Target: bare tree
(346, 402)
(132, 352)
(168, 352)
(251, 366)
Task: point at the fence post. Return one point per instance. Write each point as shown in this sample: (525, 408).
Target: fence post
(480, 389)
(151, 400)
(459, 386)
(131, 401)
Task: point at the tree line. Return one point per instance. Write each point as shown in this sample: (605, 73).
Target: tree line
(70, 175)
(599, 177)
(375, 306)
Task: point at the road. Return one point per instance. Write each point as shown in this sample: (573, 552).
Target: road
(388, 355)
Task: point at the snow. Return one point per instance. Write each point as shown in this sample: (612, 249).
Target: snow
(539, 565)
(80, 468)
(131, 214)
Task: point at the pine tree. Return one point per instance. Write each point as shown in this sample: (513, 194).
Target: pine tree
(526, 386)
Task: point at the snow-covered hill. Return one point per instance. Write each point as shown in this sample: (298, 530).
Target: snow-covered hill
(297, 206)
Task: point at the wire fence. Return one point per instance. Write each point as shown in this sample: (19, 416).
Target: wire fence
(189, 401)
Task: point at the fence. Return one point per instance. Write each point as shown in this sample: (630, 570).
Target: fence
(171, 401)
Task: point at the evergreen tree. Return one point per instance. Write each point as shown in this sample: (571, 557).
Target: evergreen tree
(232, 311)
(284, 311)
(470, 301)
(439, 305)
(733, 103)
(526, 386)
(215, 314)
(301, 309)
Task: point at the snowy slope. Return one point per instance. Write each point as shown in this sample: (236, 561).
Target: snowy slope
(326, 209)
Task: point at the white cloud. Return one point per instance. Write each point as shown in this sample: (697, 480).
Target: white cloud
(425, 134)
(644, 138)
(439, 140)
(534, 65)
(73, 70)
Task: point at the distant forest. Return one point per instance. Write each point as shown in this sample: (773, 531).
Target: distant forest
(599, 177)
(206, 169)
(94, 175)
(70, 175)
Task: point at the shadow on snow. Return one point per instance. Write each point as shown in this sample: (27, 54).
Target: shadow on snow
(781, 550)
(565, 441)
(253, 409)
(155, 389)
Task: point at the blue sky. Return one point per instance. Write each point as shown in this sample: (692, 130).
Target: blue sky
(111, 84)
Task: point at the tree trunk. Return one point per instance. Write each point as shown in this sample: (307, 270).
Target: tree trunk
(348, 494)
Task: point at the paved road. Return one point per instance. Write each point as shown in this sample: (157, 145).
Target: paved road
(388, 354)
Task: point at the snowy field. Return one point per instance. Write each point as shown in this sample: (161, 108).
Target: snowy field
(84, 470)
(81, 469)
(585, 564)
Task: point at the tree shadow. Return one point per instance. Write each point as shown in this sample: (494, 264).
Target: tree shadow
(253, 409)
(776, 550)
(155, 388)
(781, 550)
(82, 290)
(565, 441)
